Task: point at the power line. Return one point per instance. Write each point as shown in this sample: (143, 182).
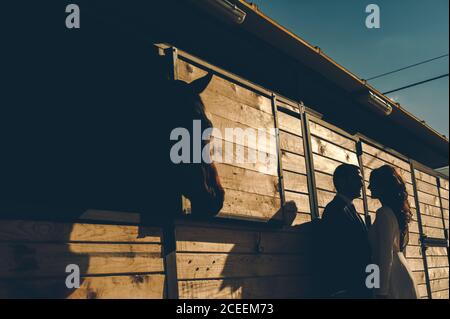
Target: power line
(416, 84)
(408, 67)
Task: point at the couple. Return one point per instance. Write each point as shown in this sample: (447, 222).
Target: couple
(351, 246)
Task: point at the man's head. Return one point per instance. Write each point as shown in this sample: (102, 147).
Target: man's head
(348, 181)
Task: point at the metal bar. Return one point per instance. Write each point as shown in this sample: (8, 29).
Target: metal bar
(314, 202)
(359, 153)
(170, 260)
(169, 237)
(441, 204)
(279, 154)
(434, 242)
(172, 55)
(422, 236)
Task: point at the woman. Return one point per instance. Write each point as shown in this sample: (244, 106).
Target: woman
(389, 235)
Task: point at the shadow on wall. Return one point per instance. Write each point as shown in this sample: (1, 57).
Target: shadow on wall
(251, 263)
(34, 254)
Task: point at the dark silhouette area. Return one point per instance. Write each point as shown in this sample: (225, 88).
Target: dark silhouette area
(346, 247)
(85, 124)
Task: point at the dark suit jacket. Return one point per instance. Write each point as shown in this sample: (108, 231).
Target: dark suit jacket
(346, 252)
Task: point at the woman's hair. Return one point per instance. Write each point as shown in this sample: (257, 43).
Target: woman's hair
(392, 191)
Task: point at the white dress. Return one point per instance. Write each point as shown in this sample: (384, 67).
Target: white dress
(396, 278)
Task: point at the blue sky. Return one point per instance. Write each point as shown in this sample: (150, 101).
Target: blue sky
(411, 31)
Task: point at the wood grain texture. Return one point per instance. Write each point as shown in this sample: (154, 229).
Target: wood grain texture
(331, 136)
(32, 231)
(109, 287)
(217, 266)
(329, 150)
(386, 157)
(290, 124)
(50, 260)
(291, 287)
(189, 73)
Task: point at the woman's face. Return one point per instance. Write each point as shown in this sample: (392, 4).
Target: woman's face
(374, 189)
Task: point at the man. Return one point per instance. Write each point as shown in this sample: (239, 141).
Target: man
(346, 245)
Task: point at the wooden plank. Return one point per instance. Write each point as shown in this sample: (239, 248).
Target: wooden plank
(416, 264)
(444, 183)
(437, 261)
(432, 221)
(290, 124)
(301, 200)
(201, 239)
(329, 150)
(208, 266)
(247, 205)
(374, 163)
(413, 252)
(294, 163)
(111, 287)
(325, 182)
(414, 239)
(386, 157)
(228, 153)
(264, 141)
(445, 204)
(429, 199)
(424, 177)
(46, 260)
(291, 143)
(325, 165)
(331, 136)
(295, 182)
(430, 210)
(232, 241)
(444, 294)
(31, 231)
(189, 73)
(248, 288)
(419, 277)
(436, 251)
(302, 219)
(423, 293)
(236, 112)
(427, 188)
(439, 285)
(444, 193)
(434, 232)
(239, 179)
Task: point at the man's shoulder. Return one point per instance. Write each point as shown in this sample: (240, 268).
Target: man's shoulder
(335, 206)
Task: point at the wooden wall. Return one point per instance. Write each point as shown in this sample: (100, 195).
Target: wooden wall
(293, 161)
(115, 260)
(373, 158)
(331, 148)
(220, 258)
(232, 262)
(432, 210)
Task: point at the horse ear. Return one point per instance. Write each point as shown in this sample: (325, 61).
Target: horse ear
(201, 84)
